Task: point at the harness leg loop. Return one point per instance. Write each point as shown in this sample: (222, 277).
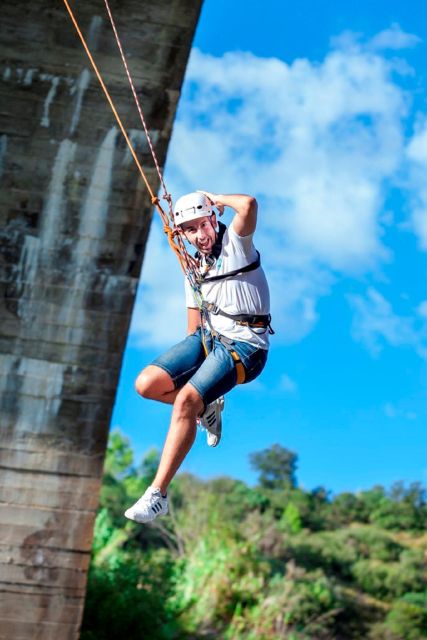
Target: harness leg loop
(240, 369)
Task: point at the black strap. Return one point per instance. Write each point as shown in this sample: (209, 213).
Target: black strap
(249, 267)
(246, 319)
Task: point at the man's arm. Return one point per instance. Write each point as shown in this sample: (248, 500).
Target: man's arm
(193, 320)
(246, 207)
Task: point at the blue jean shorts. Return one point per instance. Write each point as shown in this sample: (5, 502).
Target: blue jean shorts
(213, 375)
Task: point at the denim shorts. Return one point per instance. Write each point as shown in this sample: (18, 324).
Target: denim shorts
(213, 375)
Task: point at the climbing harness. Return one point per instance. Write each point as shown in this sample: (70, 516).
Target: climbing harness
(228, 344)
(189, 265)
(232, 274)
(243, 319)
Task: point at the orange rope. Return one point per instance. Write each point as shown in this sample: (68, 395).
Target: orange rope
(138, 106)
(186, 262)
(111, 103)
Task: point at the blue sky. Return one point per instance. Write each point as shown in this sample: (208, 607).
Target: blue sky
(322, 115)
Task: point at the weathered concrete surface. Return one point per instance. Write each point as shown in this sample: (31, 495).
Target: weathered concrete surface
(74, 218)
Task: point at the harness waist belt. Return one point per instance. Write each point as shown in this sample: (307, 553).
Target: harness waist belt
(246, 319)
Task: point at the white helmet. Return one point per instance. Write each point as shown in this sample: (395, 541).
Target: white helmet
(192, 206)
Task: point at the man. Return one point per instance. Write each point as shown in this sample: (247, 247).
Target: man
(236, 307)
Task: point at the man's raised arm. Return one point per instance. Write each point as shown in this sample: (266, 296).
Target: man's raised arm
(246, 208)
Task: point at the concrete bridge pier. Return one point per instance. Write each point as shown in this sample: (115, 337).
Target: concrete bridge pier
(74, 219)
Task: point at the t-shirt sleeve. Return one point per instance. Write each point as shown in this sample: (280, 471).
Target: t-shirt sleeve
(189, 296)
(242, 245)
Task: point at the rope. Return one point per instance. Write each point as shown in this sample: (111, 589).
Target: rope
(111, 103)
(174, 239)
(188, 263)
(166, 195)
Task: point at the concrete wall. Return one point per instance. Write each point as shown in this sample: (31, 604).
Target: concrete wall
(74, 218)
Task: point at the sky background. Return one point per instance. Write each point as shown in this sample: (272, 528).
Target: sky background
(322, 115)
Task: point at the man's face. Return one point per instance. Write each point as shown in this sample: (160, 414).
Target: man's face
(201, 233)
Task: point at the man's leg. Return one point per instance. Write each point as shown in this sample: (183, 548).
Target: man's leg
(182, 432)
(163, 379)
(212, 378)
(156, 384)
(215, 376)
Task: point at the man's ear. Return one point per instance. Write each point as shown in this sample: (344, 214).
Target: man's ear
(214, 222)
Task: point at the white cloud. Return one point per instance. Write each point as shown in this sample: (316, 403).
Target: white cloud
(394, 38)
(375, 324)
(315, 142)
(391, 39)
(417, 147)
(417, 155)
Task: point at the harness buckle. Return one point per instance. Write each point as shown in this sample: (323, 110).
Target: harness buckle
(213, 308)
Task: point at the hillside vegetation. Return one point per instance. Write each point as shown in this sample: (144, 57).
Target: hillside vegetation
(274, 561)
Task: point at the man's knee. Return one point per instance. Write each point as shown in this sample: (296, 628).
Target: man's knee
(189, 401)
(153, 382)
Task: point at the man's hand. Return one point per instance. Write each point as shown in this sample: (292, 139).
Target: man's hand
(246, 207)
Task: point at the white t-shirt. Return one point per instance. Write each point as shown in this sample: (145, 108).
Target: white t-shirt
(246, 293)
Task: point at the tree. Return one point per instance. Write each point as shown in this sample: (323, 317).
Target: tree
(119, 456)
(276, 466)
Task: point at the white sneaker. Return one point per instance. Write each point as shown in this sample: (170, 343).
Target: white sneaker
(212, 422)
(151, 505)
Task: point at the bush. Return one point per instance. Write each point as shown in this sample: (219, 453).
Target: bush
(219, 574)
(299, 605)
(402, 508)
(388, 580)
(406, 620)
(371, 542)
(241, 563)
(128, 598)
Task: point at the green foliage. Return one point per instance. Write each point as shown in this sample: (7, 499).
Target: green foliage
(119, 456)
(299, 605)
(149, 464)
(406, 620)
(103, 531)
(325, 550)
(127, 598)
(388, 580)
(347, 508)
(219, 574)
(403, 508)
(276, 466)
(291, 519)
(242, 563)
